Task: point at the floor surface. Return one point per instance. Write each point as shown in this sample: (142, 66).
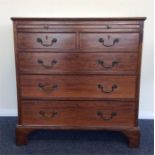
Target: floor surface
(74, 142)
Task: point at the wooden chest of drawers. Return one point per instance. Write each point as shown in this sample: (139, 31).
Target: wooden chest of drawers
(78, 74)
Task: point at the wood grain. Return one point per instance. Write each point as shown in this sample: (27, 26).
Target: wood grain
(78, 73)
(29, 40)
(77, 113)
(78, 63)
(126, 41)
(77, 87)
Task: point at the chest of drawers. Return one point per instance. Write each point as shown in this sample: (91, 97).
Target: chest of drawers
(78, 74)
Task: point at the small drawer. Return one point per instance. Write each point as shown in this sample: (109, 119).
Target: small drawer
(77, 113)
(87, 27)
(52, 41)
(77, 87)
(109, 41)
(79, 63)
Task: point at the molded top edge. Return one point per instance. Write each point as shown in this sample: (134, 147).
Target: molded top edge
(78, 19)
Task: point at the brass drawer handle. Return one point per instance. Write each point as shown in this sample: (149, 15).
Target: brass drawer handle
(47, 87)
(48, 114)
(103, 116)
(39, 40)
(100, 86)
(101, 40)
(102, 63)
(53, 62)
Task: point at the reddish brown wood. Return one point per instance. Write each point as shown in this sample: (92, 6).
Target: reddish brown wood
(113, 19)
(77, 86)
(30, 41)
(77, 74)
(50, 26)
(78, 63)
(125, 41)
(133, 136)
(78, 113)
(22, 135)
(17, 70)
(139, 68)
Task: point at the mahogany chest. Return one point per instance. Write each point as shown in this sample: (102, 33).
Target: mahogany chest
(78, 73)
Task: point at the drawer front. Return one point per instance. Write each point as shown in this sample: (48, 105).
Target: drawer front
(77, 113)
(78, 87)
(104, 63)
(76, 27)
(52, 41)
(109, 41)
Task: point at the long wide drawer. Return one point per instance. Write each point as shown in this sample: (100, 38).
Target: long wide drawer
(52, 41)
(77, 113)
(82, 63)
(109, 41)
(78, 87)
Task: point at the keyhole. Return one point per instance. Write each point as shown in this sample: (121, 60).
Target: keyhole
(108, 37)
(46, 37)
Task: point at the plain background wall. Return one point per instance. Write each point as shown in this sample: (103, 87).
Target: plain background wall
(72, 8)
